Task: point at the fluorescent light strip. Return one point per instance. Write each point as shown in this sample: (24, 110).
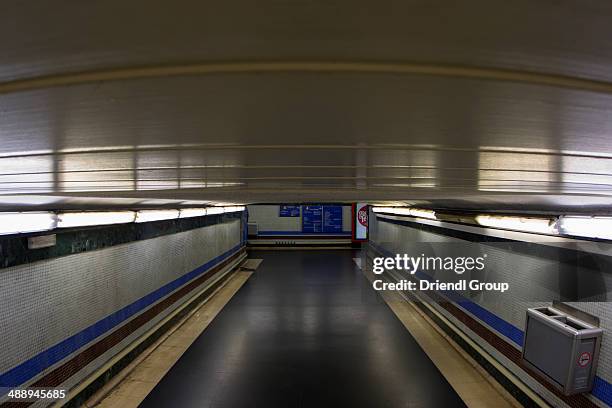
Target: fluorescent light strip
(580, 226)
(26, 222)
(590, 227)
(378, 210)
(156, 215)
(90, 218)
(235, 208)
(23, 222)
(215, 210)
(198, 212)
(192, 212)
(412, 212)
(429, 214)
(392, 210)
(524, 224)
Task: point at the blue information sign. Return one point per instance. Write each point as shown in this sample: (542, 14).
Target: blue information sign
(332, 218)
(289, 211)
(312, 218)
(325, 219)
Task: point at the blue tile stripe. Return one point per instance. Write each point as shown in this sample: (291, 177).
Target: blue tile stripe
(292, 233)
(508, 330)
(40, 362)
(602, 389)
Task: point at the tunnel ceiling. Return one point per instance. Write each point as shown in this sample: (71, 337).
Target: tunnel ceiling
(476, 105)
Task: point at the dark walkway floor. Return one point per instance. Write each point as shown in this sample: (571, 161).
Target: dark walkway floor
(306, 330)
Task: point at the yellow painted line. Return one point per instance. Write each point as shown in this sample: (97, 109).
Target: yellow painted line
(254, 67)
(539, 401)
(475, 387)
(139, 379)
(96, 374)
(471, 382)
(505, 371)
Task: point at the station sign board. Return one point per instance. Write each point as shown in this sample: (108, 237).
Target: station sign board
(286, 210)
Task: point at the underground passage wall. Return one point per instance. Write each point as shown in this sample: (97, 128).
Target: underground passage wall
(269, 220)
(306, 225)
(67, 310)
(579, 274)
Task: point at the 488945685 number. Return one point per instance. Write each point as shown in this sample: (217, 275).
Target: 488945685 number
(36, 393)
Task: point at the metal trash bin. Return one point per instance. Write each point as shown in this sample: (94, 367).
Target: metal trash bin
(561, 348)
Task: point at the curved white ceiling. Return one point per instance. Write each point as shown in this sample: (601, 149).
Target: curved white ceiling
(480, 104)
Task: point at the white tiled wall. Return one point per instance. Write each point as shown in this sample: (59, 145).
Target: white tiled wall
(532, 278)
(44, 302)
(267, 218)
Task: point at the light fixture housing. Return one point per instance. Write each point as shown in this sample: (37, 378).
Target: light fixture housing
(584, 226)
(91, 218)
(192, 212)
(156, 215)
(392, 210)
(234, 208)
(534, 225)
(215, 210)
(24, 222)
(421, 213)
(412, 212)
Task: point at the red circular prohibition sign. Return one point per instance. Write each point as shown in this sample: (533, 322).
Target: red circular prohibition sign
(584, 359)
